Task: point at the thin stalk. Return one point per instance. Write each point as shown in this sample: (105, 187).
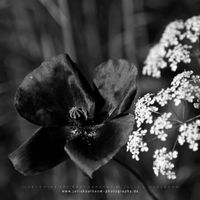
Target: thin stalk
(184, 108)
(152, 139)
(172, 120)
(176, 121)
(189, 120)
(137, 175)
(158, 113)
(174, 146)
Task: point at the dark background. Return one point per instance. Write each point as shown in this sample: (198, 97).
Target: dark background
(91, 31)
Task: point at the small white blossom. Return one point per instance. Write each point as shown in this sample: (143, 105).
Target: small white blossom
(163, 96)
(193, 29)
(136, 144)
(190, 133)
(174, 47)
(196, 105)
(163, 162)
(185, 87)
(172, 33)
(160, 124)
(155, 62)
(144, 110)
(180, 53)
(178, 79)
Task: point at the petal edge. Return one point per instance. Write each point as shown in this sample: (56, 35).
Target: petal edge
(44, 150)
(116, 82)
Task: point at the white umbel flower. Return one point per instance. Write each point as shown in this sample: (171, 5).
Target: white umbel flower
(190, 133)
(174, 47)
(163, 162)
(180, 53)
(193, 28)
(144, 110)
(154, 61)
(185, 86)
(136, 144)
(172, 33)
(163, 96)
(149, 113)
(161, 124)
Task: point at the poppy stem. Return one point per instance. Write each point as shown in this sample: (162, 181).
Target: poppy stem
(137, 175)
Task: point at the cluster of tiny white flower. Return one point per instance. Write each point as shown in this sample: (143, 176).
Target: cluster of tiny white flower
(192, 26)
(177, 54)
(172, 33)
(185, 86)
(190, 133)
(144, 109)
(155, 62)
(136, 144)
(163, 96)
(163, 162)
(160, 124)
(174, 46)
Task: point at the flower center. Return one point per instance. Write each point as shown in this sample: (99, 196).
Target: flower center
(78, 114)
(82, 126)
(87, 133)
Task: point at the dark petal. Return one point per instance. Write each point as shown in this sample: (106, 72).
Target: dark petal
(116, 82)
(90, 153)
(48, 93)
(126, 102)
(44, 150)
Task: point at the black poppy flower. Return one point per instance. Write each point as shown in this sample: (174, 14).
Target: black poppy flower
(85, 121)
